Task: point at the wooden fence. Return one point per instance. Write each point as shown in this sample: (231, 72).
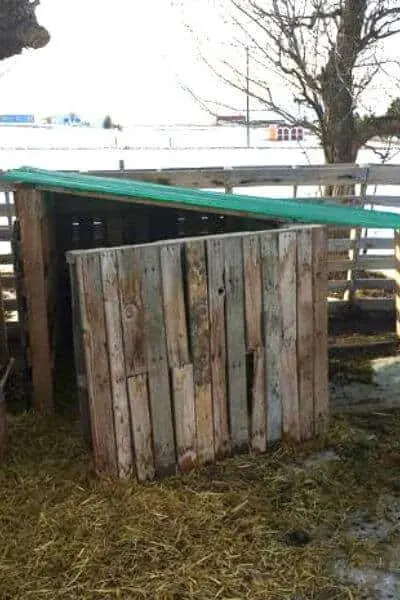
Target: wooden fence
(187, 351)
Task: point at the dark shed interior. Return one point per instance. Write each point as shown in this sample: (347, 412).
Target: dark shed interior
(71, 222)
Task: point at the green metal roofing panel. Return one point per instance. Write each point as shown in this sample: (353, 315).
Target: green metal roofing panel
(253, 206)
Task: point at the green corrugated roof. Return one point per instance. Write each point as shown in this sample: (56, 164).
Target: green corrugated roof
(253, 206)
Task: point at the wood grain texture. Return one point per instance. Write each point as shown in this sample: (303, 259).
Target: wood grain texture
(272, 333)
(185, 417)
(320, 286)
(174, 305)
(115, 346)
(254, 339)
(253, 291)
(216, 296)
(141, 427)
(258, 434)
(397, 279)
(236, 348)
(30, 209)
(79, 356)
(96, 360)
(200, 347)
(305, 332)
(156, 358)
(288, 293)
(132, 310)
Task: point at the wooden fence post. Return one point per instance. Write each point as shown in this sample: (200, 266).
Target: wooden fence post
(30, 209)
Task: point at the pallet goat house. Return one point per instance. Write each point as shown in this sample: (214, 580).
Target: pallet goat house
(198, 348)
(185, 349)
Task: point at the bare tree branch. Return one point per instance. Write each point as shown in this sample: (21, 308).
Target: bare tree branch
(327, 53)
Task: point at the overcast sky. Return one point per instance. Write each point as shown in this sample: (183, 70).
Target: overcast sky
(102, 57)
(121, 57)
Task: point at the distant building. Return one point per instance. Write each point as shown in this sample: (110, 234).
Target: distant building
(69, 119)
(280, 131)
(231, 120)
(17, 119)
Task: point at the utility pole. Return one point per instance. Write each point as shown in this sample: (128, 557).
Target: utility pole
(248, 96)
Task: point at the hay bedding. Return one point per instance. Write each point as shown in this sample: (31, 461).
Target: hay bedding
(269, 527)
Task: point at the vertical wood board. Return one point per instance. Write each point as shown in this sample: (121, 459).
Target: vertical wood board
(235, 340)
(185, 417)
(30, 209)
(320, 287)
(156, 356)
(174, 305)
(96, 360)
(397, 279)
(272, 333)
(132, 310)
(200, 348)
(113, 324)
(216, 296)
(141, 427)
(288, 293)
(253, 291)
(79, 356)
(259, 404)
(305, 332)
(254, 339)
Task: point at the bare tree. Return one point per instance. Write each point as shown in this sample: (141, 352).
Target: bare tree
(19, 28)
(326, 55)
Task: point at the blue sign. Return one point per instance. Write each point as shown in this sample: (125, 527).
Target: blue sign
(11, 119)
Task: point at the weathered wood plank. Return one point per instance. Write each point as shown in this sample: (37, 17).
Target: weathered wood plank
(30, 210)
(216, 297)
(289, 386)
(174, 305)
(200, 346)
(397, 279)
(79, 356)
(253, 291)
(321, 392)
(132, 310)
(259, 405)
(273, 333)
(305, 332)
(236, 346)
(366, 305)
(368, 243)
(185, 417)
(365, 263)
(252, 176)
(141, 427)
(96, 360)
(363, 284)
(112, 312)
(156, 357)
(254, 339)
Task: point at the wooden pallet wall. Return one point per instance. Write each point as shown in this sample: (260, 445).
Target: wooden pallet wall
(191, 350)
